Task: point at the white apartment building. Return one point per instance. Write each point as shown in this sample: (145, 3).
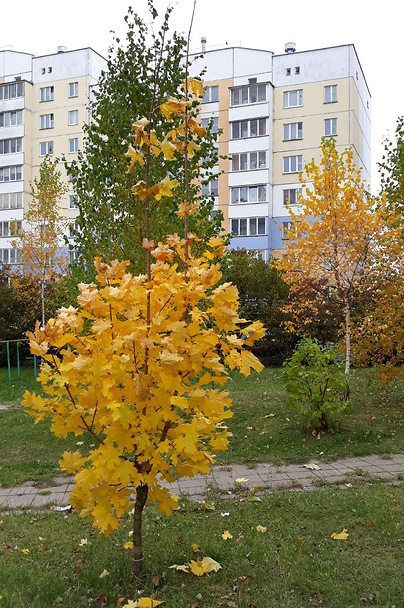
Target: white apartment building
(273, 111)
(43, 105)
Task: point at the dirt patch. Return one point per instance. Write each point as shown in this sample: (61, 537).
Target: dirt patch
(9, 406)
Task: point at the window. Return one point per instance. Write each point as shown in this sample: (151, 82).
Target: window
(11, 119)
(73, 117)
(43, 70)
(293, 99)
(251, 226)
(213, 121)
(73, 89)
(248, 161)
(253, 93)
(72, 256)
(10, 256)
(46, 121)
(249, 128)
(47, 93)
(292, 164)
(11, 174)
(73, 145)
(330, 126)
(330, 93)
(46, 147)
(288, 71)
(11, 146)
(12, 90)
(248, 194)
(73, 198)
(211, 94)
(293, 130)
(291, 195)
(72, 230)
(50, 70)
(211, 188)
(11, 200)
(297, 70)
(286, 228)
(10, 228)
(69, 177)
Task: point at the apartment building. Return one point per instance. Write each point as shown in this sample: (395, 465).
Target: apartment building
(273, 111)
(43, 105)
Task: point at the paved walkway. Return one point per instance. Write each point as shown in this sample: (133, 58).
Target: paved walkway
(230, 480)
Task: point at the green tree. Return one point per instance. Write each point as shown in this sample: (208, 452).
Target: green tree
(262, 294)
(392, 170)
(42, 256)
(141, 73)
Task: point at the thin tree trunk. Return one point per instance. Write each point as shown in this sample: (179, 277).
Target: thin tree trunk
(43, 301)
(137, 554)
(347, 348)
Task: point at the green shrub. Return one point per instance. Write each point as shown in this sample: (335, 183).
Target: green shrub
(315, 383)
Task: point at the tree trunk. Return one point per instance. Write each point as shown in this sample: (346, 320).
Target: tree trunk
(347, 348)
(137, 554)
(43, 301)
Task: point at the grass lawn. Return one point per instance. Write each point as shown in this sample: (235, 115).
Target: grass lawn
(294, 564)
(263, 429)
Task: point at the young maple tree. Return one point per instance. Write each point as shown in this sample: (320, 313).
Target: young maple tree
(341, 243)
(142, 360)
(41, 254)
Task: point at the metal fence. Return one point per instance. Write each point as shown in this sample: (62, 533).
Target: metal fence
(10, 345)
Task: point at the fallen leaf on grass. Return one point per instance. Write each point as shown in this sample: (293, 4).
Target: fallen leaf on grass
(83, 542)
(104, 573)
(226, 535)
(156, 580)
(181, 567)
(195, 547)
(341, 536)
(269, 416)
(208, 506)
(144, 602)
(25, 551)
(311, 466)
(102, 599)
(128, 545)
(225, 514)
(204, 566)
(261, 529)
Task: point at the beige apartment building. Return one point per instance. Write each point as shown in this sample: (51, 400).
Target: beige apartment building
(43, 105)
(274, 111)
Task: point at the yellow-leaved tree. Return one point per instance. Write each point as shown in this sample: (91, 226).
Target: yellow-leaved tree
(342, 246)
(42, 255)
(141, 362)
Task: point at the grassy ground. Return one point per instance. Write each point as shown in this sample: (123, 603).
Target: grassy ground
(294, 564)
(263, 429)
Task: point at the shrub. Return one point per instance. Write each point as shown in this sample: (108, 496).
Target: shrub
(315, 382)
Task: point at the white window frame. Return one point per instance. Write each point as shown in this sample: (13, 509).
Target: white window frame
(73, 145)
(73, 198)
(293, 164)
(246, 130)
(288, 225)
(46, 93)
(73, 117)
(289, 102)
(330, 93)
(11, 90)
(11, 174)
(46, 148)
(10, 200)
(248, 159)
(211, 94)
(11, 119)
(248, 222)
(292, 131)
(211, 187)
(287, 197)
(5, 228)
(47, 121)
(241, 195)
(10, 256)
(330, 127)
(11, 145)
(73, 89)
(248, 94)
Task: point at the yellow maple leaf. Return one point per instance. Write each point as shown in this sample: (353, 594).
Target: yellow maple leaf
(144, 602)
(135, 157)
(168, 149)
(195, 547)
(341, 535)
(195, 86)
(204, 566)
(241, 480)
(261, 529)
(180, 567)
(226, 535)
(128, 545)
(25, 551)
(166, 187)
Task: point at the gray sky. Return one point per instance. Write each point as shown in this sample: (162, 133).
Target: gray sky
(375, 28)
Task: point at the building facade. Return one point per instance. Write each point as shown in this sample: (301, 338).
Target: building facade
(43, 105)
(273, 111)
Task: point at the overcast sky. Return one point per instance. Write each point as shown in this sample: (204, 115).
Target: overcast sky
(376, 29)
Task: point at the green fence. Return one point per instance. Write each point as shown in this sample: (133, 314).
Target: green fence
(15, 344)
